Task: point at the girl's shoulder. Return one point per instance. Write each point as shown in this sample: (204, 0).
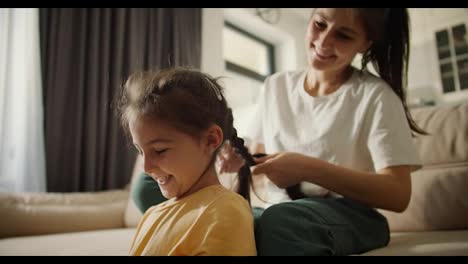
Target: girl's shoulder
(227, 202)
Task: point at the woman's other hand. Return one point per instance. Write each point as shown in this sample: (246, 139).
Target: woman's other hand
(229, 161)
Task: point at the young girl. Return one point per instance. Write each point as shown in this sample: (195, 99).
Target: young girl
(178, 119)
(343, 136)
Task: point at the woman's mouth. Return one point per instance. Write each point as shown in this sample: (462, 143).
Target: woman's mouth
(320, 55)
(323, 57)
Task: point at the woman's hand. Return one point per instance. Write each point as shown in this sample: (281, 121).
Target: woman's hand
(284, 169)
(229, 160)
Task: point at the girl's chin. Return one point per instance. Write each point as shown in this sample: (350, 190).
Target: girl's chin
(168, 194)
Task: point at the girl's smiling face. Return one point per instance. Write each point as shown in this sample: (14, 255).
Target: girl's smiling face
(174, 159)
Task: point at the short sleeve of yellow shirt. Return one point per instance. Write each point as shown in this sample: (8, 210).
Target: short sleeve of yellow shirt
(213, 221)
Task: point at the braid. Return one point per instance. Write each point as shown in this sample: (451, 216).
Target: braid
(244, 174)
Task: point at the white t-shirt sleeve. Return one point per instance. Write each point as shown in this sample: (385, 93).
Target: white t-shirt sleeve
(390, 142)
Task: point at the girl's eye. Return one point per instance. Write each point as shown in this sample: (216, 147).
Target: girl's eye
(138, 150)
(159, 152)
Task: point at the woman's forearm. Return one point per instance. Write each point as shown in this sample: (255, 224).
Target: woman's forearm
(388, 189)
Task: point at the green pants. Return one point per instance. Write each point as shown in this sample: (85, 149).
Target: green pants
(309, 226)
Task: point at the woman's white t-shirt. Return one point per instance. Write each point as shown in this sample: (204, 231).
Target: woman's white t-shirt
(361, 126)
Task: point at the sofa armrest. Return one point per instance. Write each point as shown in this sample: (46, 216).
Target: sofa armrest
(24, 214)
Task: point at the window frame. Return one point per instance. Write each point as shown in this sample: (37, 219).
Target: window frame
(231, 66)
(451, 60)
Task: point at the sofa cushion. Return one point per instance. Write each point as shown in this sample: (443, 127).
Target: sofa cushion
(448, 126)
(439, 243)
(438, 200)
(46, 213)
(132, 213)
(111, 242)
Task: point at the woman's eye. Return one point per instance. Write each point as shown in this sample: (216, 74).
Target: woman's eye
(320, 25)
(343, 36)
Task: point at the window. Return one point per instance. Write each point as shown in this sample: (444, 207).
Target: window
(452, 49)
(247, 54)
(249, 60)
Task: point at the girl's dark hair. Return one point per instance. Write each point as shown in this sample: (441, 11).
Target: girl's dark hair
(388, 28)
(189, 100)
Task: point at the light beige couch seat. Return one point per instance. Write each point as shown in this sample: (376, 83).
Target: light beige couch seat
(430, 243)
(115, 242)
(103, 223)
(107, 242)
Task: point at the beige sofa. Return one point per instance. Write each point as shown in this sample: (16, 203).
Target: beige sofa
(103, 223)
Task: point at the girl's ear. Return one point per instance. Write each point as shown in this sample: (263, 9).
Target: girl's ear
(213, 138)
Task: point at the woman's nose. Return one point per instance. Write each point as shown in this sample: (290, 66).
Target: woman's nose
(325, 40)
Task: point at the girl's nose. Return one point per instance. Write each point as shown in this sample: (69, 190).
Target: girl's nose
(148, 164)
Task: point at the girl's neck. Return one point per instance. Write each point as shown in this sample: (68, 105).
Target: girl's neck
(207, 179)
(320, 83)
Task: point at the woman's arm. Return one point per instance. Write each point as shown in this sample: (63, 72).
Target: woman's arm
(389, 188)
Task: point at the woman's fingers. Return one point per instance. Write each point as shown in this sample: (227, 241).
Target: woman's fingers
(265, 158)
(263, 164)
(262, 168)
(230, 161)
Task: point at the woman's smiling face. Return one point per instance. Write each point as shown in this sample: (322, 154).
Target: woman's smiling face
(334, 37)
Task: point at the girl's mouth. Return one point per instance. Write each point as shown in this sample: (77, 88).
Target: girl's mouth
(163, 180)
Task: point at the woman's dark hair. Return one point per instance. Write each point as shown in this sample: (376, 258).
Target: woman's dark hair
(388, 29)
(189, 100)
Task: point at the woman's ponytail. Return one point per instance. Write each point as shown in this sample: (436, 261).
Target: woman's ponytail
(389, 53)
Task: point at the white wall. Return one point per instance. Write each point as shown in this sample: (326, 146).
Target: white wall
(212, 41)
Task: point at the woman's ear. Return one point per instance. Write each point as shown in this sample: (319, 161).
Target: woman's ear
(213, 138)
(366, 46)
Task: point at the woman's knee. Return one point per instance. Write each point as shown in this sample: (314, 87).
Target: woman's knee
(275, 215)
(146, 193)
(285, 220)
(289, 229)
(289, 213)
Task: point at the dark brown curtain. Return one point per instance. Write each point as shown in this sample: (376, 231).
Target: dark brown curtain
(86, 56)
